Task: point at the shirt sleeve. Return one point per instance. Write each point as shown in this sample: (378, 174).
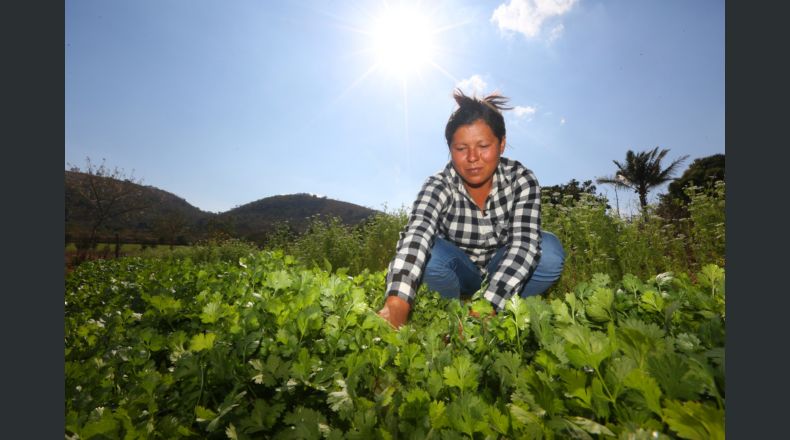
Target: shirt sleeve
(523, 252)
(416, 240)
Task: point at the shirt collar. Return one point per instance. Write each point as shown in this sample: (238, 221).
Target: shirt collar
(500, 180)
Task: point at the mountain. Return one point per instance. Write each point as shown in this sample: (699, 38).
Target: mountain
(137, 213)
(149, 214)
(255, 219)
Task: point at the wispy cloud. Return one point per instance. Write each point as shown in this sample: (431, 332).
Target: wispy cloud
(522, 111)
(474, 85)
(527, 16)
(556, 32)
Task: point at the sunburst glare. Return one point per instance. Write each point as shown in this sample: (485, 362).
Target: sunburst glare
(403, 41)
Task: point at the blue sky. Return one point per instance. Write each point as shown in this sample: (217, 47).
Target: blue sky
(226, 102)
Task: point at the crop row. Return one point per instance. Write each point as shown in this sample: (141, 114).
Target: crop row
(264, 348)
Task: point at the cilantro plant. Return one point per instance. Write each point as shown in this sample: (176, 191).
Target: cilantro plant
(263, 347)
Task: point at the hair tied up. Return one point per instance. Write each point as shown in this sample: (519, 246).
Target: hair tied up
(470, 109)
(494, 100)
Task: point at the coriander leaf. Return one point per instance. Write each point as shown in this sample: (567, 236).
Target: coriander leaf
(641, 381)
(211, 312)
(437, 412)
(694, 420)
(201, 341)
(462, 374)
(599, 307)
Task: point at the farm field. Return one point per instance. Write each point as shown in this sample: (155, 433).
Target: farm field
(265, 348)
(236, 342)
(126, 248)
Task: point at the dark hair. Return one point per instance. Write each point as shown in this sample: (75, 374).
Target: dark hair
(471, 109)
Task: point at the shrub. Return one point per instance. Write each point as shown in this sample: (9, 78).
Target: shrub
(330, 244)
(213, 250)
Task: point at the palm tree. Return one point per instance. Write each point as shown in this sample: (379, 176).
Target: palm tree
(642, 172)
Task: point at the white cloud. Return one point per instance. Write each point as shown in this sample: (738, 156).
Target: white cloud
(521, 111)
(473, 85)
(562, 121)
(556, 32)
(527, 16)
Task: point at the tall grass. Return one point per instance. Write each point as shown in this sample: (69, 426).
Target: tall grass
(330, 244)
(595, 240)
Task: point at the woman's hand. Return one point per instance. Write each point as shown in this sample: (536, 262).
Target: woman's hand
(395, 311)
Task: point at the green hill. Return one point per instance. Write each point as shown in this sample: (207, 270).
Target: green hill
(255, 219)
(149, 214)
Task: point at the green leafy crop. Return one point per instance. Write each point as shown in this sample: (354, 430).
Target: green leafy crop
(267, 348)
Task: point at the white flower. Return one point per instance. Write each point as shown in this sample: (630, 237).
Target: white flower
(664, 278)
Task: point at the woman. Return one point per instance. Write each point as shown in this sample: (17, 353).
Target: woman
(478, 217)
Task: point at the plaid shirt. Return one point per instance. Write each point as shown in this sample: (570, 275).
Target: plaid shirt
(445, 208)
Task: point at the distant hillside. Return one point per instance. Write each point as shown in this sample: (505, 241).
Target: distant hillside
(255, 219)
(165, 217)
(162, 214)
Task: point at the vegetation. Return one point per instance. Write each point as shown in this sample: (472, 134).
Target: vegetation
(101, 203)
(265, 348)
(574, 189)
(642, 172)
(702, 173)
(223, 340)
(328, 243)
(104, 196)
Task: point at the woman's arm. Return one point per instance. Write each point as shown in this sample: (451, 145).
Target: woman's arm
(413, 249)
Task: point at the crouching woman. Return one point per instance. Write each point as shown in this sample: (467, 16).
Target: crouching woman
(478, 217)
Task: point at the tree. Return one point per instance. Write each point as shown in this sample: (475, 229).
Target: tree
(642, 172)
(573, 188)
(171, 225)
(107, 195)
(703, 172)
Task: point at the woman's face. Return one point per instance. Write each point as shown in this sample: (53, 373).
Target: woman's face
(475, 152)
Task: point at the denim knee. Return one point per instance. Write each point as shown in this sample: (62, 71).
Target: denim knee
(442, 279)
(439, 273)
(552, 257)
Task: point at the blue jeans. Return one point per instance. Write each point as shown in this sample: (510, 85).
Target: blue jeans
(451, 272)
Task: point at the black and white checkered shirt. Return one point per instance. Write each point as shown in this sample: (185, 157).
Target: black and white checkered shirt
(444, 208)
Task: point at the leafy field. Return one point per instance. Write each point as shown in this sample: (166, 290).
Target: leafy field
(264, 347)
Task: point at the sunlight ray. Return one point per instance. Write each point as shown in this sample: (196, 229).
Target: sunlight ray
(356, 82)
(333, 103)
(444, 71)
(405, 89)
(450, 27)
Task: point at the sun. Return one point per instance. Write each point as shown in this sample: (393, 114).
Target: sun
(402, 41)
